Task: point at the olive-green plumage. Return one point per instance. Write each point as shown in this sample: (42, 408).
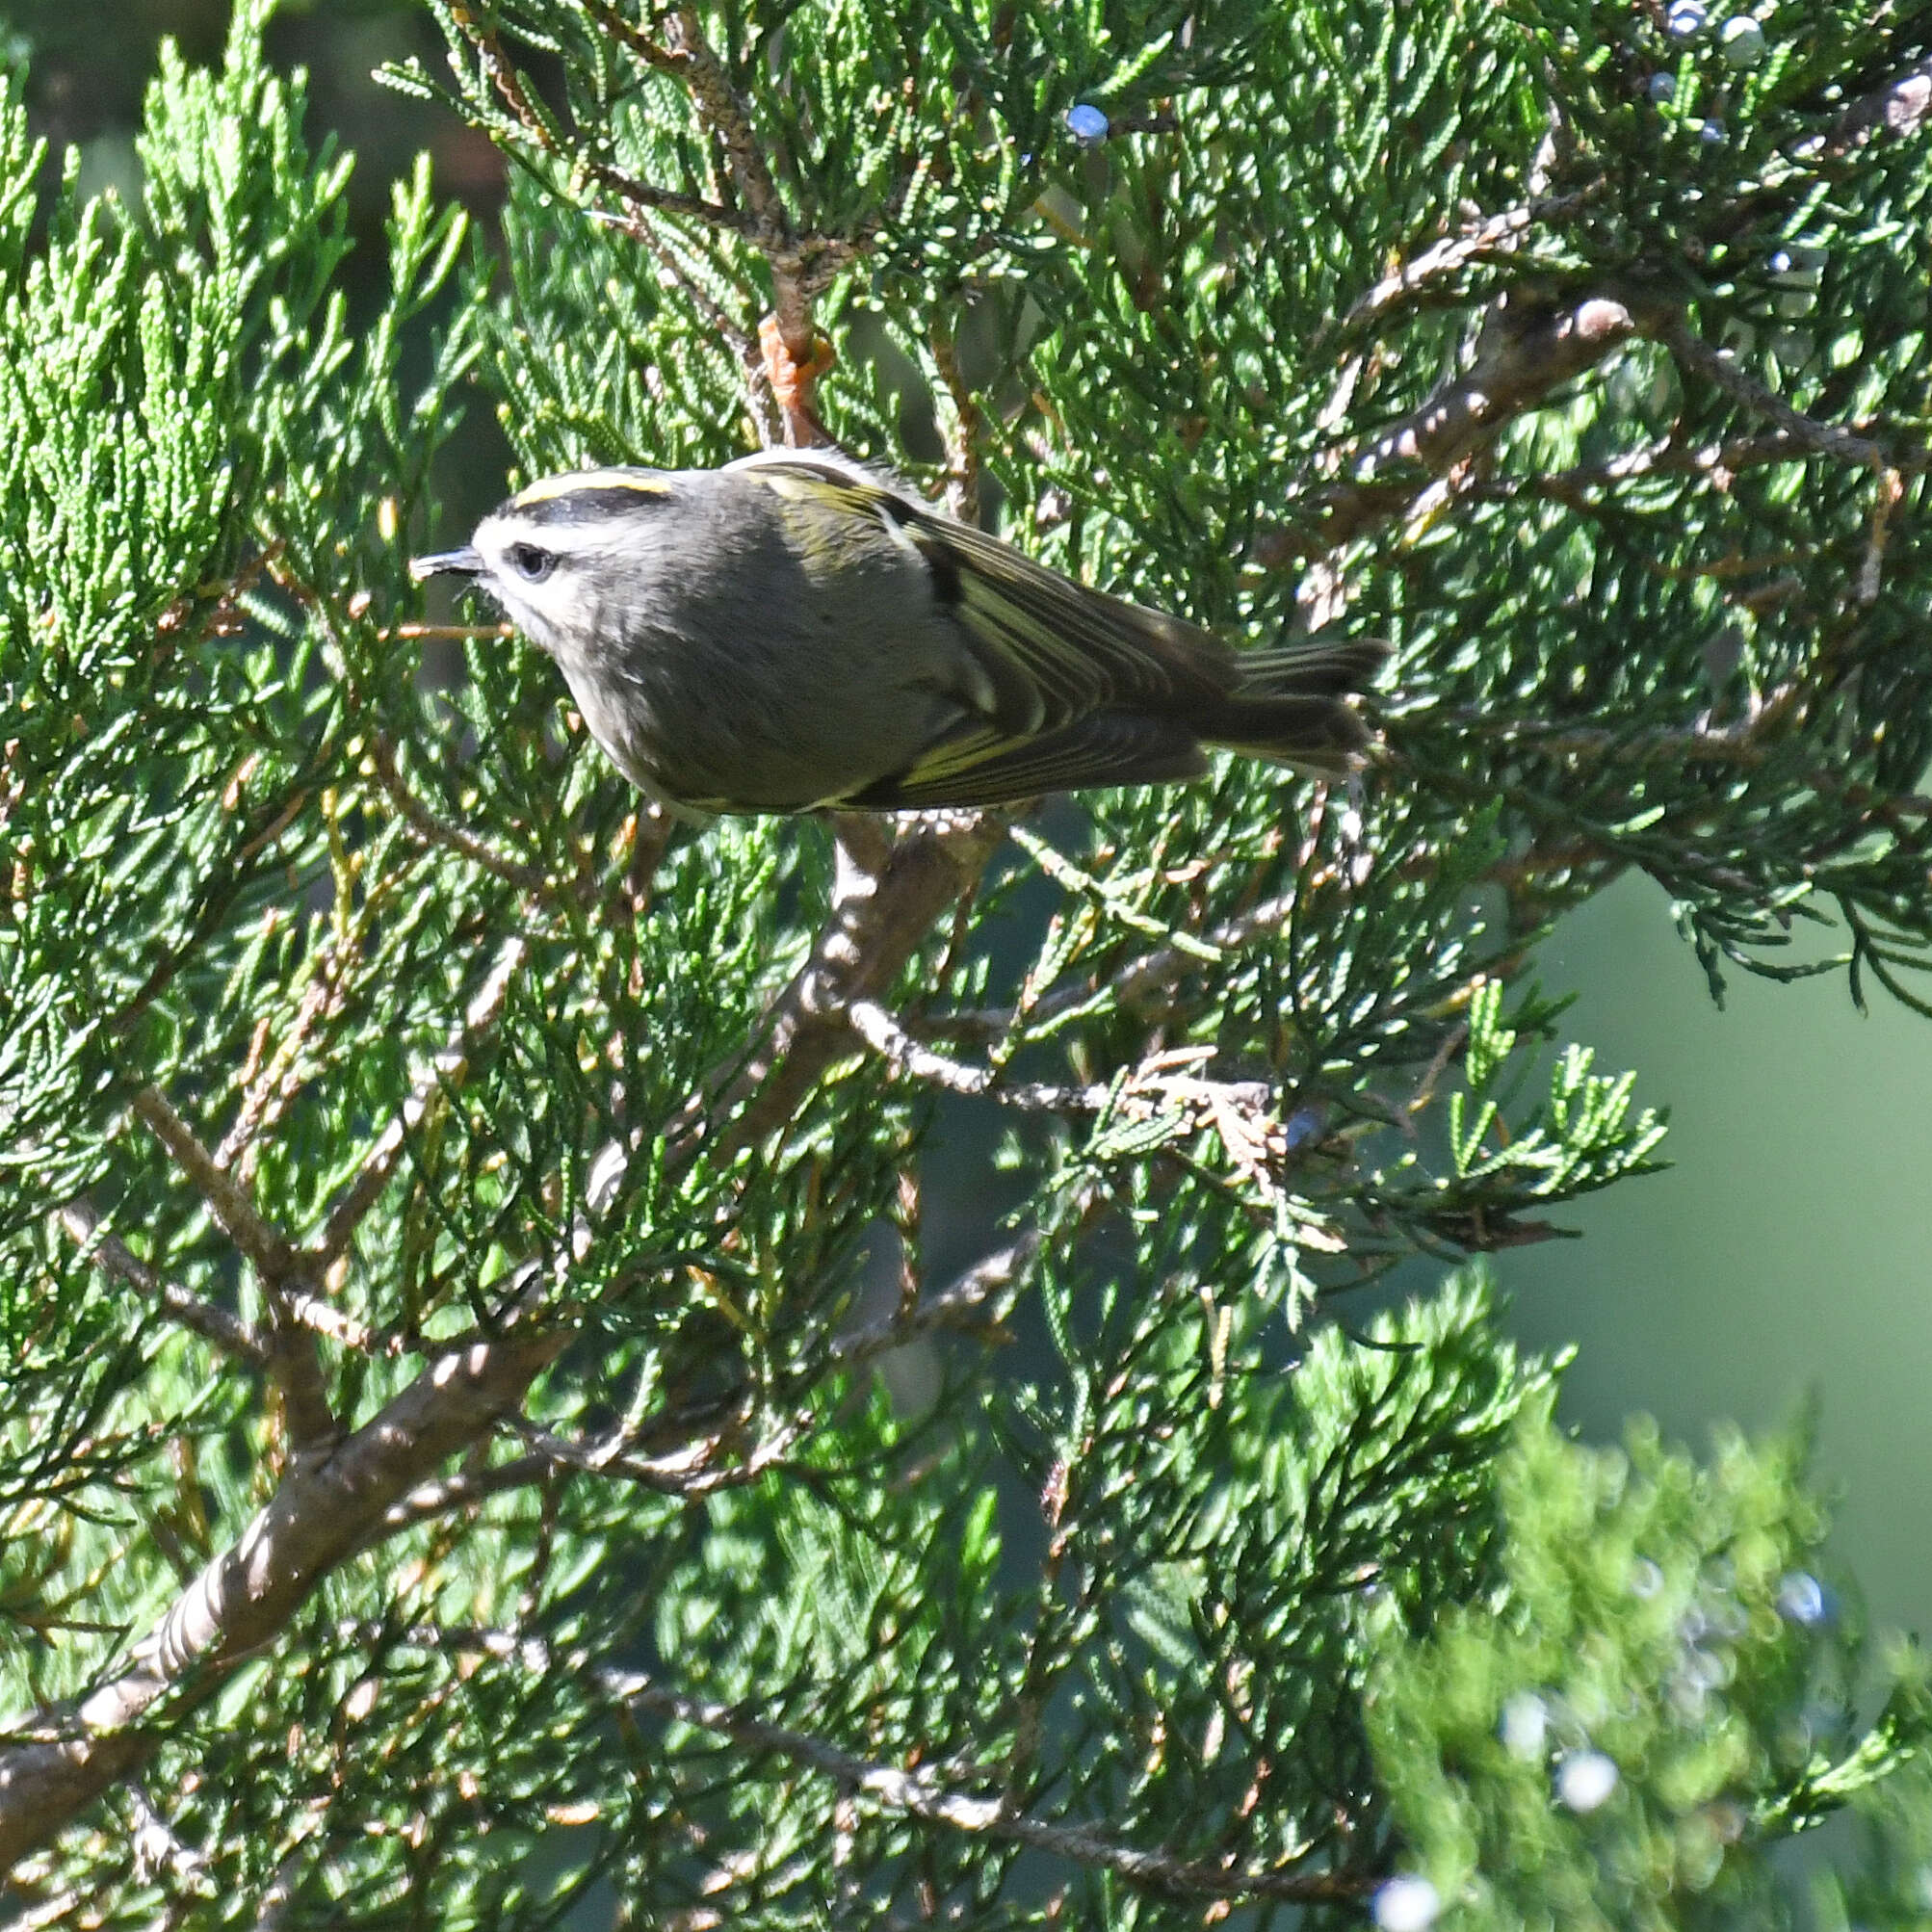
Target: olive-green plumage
(791, 632)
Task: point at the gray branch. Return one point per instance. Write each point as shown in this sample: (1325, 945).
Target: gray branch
(82, 1221)
(978, 1301)
(385, 1476)
(1824, 439)
(887, 896)
(1526, 351)
(1494, 234)
(294, 1360)
(62, 1762)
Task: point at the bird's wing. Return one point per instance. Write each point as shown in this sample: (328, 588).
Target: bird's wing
(1050, 650)
(981, 765)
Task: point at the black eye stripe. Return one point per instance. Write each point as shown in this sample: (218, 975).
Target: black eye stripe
(595, 505)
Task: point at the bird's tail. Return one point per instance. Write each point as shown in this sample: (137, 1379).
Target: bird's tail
(1290, 704)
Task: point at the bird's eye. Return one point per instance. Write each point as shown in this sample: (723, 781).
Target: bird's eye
(530, 563)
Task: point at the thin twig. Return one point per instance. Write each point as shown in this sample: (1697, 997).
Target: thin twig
(653, 53)
(1891, 488)
(321, 1316)
(802, 264)
(1131, 984)
(448, 633)
(1496, 233)
(688, 1471)
(443, 1495)
(446, 1071)
(82, 1220)
(891, 1041)
(1825, 439)
(269, 1080)
(921, 1793)
(504, 78)
(157, 1848)
(726, 113)
(270, 1251)
(1666, 457)
(294, 1360)
(751, 364)
(975, 1303)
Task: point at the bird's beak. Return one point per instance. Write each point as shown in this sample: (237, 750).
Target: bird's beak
(464, 562)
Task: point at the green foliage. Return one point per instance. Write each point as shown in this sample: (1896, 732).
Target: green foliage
(358, 1028)
(1657, 1689)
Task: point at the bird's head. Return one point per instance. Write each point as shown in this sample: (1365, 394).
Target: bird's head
(552, 554)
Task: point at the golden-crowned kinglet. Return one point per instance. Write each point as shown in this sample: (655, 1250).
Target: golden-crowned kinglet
(792, 631)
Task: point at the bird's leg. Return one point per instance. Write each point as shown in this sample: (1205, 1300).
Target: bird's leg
(793, 382)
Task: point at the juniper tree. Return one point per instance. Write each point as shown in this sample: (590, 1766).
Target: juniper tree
(451, 1469)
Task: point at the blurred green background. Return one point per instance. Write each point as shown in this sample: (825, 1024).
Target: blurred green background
(1783, 1255)
(1782, 1258)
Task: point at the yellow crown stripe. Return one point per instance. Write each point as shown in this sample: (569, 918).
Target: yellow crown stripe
(547, 488)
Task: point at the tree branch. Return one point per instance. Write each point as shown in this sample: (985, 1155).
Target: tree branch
(245, 1598)
(694, 1469)
(883, 903)
(800, 264)
(1663, 457)
(270, 1251)
(891, 1041)
(1496, 233)
(726, 114)
(976, 1302)
(536, 128)
(443, 1495)
(295, 1362)
(82, 1220)
(1825, 439)
(1898, 108)
(1527, 349)
(921, 1793)
(384, 1476)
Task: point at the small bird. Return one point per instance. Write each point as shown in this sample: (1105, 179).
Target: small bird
(793, 631)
